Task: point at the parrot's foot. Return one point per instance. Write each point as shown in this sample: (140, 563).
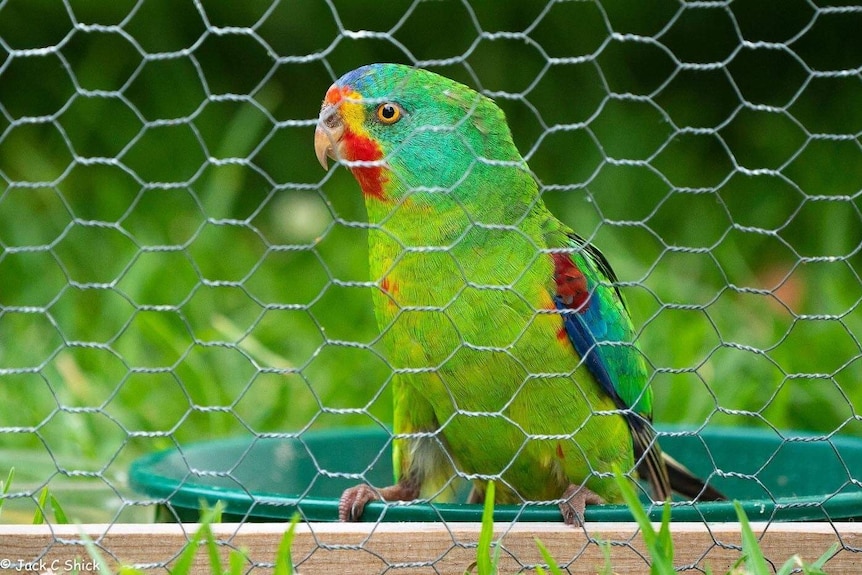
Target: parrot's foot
(575, 501)
(353, 500)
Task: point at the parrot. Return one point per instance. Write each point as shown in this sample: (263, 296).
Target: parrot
(512, 348)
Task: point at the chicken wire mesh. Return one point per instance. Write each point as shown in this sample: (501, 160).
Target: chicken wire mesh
(175, 266)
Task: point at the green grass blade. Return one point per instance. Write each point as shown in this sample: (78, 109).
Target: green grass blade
(484, 564)
(631, 500)
(59, 514)
(607, 569)
(217, 511)
(39, 516)
(495, 559)
(789, 566)
(212, 550)
(213, 515)
(237, 561)
(5, 487)
(664, 541)
(283, 556)
(795, 563)
(96, 555)
(737, 565)
(184, 562)
(553, 566)
(821, 561)
(102, 566)
(755, 563)
(186, 559)
(662, 559)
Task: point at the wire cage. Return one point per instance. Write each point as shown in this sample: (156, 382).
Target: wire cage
(179, 279)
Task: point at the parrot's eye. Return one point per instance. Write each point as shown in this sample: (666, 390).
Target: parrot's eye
(388, 113)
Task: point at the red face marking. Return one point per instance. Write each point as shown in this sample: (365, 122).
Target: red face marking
(571, 283)
(560, 453)
(363, 149)
(356, 145)
(336, 93)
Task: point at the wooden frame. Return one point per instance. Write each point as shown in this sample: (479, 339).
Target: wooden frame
(420, 548)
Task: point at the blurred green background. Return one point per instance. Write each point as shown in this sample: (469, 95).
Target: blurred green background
(175, 266)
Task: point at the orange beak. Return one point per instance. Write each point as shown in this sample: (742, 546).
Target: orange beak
(328, 135)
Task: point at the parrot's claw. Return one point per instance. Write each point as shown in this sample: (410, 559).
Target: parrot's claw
(575, 500)
(354, 500)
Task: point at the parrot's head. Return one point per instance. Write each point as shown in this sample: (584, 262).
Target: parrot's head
(401, 129)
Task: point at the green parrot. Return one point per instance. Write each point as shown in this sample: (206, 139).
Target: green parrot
(511, 345)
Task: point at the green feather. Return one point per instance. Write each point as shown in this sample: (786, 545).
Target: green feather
(460, 247)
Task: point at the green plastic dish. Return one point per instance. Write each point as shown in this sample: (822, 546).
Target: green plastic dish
(789, 478)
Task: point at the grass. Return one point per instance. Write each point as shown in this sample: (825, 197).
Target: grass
(659, 544)
(4, 488)
(237, 561)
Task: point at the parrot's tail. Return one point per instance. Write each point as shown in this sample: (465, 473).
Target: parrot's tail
(650, 459)
(664, 473)
(686, 484)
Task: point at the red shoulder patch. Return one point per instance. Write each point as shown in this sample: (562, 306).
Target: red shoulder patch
(571, 283)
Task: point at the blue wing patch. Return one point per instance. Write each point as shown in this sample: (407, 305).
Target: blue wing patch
(585, 344)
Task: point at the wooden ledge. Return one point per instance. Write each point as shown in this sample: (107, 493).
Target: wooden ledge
(414, 548)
